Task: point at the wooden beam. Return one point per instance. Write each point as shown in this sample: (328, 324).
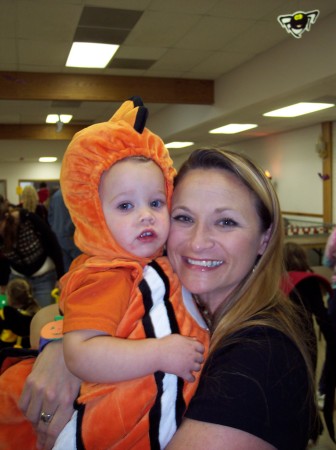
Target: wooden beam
(83, 87)
(327, 169)
(38, 132)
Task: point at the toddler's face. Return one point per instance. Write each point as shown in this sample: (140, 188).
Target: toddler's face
(133, 198)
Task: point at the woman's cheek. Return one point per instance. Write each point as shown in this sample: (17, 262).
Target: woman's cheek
(173, 244)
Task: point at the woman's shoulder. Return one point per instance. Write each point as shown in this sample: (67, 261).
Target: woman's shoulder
(260, 350)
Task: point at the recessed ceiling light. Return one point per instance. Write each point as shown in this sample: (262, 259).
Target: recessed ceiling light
(233, 128)
(90, 55)
(298, 109)
(47, 159)
(177, 144)
(54, 118)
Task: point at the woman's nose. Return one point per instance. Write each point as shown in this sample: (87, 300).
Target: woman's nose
(200, 238)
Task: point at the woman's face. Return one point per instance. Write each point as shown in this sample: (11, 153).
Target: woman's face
(215, 234)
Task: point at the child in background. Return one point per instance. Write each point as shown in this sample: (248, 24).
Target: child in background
(123, 312)
(15, 317)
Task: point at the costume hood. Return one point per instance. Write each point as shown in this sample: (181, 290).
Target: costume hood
(91, 152)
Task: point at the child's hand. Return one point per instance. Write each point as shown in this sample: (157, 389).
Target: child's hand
(181, 356)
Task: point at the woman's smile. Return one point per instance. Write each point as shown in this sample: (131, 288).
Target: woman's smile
(203, 264)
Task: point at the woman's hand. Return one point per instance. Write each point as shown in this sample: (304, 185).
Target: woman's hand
(50, 389)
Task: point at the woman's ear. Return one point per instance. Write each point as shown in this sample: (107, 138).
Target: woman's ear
(264, 241)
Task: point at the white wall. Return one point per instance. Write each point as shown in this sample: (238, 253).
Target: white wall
(294, 164)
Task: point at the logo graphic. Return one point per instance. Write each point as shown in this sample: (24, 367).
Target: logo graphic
(299, 22)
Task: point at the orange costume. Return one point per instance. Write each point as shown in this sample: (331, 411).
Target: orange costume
(125, 296)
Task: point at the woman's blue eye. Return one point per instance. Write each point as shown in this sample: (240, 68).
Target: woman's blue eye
(125, 206)
(182, 218)
(227, 222)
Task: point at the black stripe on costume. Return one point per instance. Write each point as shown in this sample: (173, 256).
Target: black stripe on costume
(79, 424)
(169, 307)
(155, 413)
(148, 303)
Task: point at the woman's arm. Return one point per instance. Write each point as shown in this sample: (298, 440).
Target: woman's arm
(107, 359)
(200, 435)
(50, 387)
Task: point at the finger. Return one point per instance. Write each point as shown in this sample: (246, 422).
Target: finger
(197, 367)
(190, 378)
(62, 416)
(33, 409)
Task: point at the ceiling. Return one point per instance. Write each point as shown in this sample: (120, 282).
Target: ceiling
(237, 49)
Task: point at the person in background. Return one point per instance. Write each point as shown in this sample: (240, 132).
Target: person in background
(62, 225)
(329, 260)
(30, 202)
(16, 316)
(306, 289)
(226, 245)
(30, 250)
(43, 192)
(327, 382)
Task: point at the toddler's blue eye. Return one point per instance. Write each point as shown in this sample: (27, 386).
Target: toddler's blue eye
(157, 203)
(125, 206)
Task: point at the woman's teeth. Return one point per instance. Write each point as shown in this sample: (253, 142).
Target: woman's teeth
(204, 263)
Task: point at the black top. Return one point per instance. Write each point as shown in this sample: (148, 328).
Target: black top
(258, 384)
(307, 293)
(35, 242)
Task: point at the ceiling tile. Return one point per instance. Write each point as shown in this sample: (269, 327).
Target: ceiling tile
(161, 29)
(212, 33)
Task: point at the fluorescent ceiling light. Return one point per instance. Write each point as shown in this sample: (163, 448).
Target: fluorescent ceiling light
(299, 109)
(177, 144)
(233, 128)
(47, 159)
(87, 54)
(54, 118)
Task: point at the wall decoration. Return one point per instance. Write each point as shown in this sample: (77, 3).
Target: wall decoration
(299, 22)
(324, 176)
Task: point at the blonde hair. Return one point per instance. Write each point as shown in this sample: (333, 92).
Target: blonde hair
(257, 300)
(29, 198)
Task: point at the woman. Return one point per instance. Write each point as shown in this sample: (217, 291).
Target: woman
(30, 202)
(225, 244)
(306, 288)
(31, 250)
